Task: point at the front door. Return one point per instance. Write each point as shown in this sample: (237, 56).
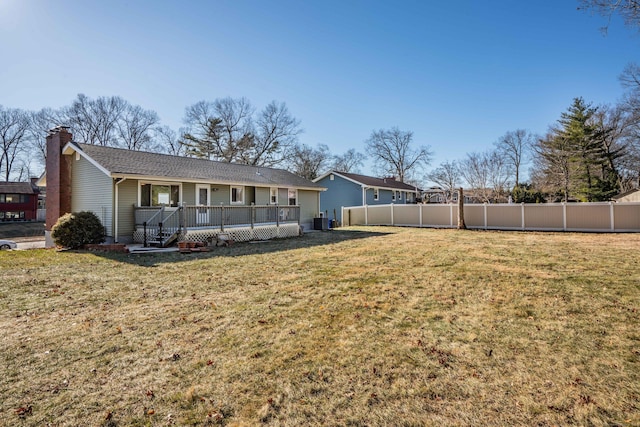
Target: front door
(203, 200)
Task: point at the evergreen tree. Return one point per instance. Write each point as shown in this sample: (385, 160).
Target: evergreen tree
(574, 158)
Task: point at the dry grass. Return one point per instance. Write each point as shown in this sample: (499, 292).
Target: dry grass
(363, 326)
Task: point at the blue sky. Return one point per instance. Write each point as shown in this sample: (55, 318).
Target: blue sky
(458, 74)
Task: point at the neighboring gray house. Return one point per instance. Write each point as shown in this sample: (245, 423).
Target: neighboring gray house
(350, 189)
(131, 189)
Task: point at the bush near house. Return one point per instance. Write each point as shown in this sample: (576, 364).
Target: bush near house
(75, 230)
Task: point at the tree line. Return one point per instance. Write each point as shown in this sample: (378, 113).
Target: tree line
(226, 129)
(590, 154)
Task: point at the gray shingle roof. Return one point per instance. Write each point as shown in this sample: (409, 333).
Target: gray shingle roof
(371, 181)
(126, 162)
(17, 188)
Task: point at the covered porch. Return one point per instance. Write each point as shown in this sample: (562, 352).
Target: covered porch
(161, 226)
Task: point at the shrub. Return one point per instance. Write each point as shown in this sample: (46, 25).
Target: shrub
(77, 229)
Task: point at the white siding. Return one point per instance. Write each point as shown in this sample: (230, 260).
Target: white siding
(92, 190)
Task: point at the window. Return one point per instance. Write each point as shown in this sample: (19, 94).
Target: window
(13, 198)
(159, 195)
(293, 197)
(237, 195)
(11, 215)
(274, 196)
(376, 194)
(399, 196)
(393, 195)
(331, 177)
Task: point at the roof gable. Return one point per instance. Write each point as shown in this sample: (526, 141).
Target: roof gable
(140, 164)
(370, 181)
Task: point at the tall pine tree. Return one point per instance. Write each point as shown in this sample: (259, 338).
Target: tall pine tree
(574, 158)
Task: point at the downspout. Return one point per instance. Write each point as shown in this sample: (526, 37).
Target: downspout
(115, 214)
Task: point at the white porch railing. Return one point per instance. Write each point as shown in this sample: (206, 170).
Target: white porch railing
(220, 216)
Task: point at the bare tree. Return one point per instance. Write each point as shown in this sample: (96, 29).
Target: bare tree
(486, 175)
(95, 121)
(236, 124)
(350, 161)
(630, 77)
(629, 10)
(393, 153)
(553, 164)
(40, 122)
(514, 146)
(14, 124)
(135, 128)
(446, 176)
(227, 128)
(168, 142)
(309, 162)
(276, 134)
(628, 165)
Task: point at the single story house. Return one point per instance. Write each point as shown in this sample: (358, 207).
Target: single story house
(628, 196)
(138, 194)
(18, 201)
(350, 189)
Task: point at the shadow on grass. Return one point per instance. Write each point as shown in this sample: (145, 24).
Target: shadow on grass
(308, 240)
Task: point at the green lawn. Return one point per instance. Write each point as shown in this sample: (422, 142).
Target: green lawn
(360, 326)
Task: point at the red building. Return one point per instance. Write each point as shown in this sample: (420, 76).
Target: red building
(18, 201)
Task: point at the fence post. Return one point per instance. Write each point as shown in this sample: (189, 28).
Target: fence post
(420, 214)
(523, 224)
(392, 224)
(564, 216)
(484, 208)
(613, 216)
(451, 214)
(183, 218)
(366, 214)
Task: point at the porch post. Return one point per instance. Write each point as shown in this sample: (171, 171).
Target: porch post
(184, 216)
(253, 214)
(221, 217)
(277, 215)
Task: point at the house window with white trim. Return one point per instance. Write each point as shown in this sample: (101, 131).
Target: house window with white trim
(237, 195)
(274, 196)
(393, 196)
(293, 197)
(159, 194)
(376, 194)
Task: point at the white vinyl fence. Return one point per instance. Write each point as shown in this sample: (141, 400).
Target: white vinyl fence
(596, 217)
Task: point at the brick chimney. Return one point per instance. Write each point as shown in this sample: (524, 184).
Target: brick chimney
(58, 169)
